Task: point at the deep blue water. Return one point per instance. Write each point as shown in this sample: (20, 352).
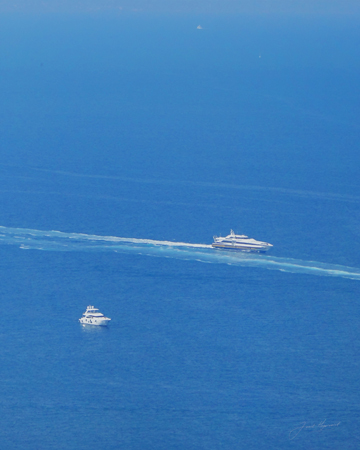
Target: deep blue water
(118, 132)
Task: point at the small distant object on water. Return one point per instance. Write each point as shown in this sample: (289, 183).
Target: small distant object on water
(260, 55)
(240, 242)
(199, 27)
(92, 316)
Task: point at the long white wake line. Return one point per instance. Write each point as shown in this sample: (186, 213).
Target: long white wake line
(288, 191)
(23, 232)
(54, 240)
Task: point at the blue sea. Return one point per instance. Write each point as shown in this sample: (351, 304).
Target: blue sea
(127, 142)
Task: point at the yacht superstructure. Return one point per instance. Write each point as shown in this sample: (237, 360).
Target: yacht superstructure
(92, 316)
(240, 242)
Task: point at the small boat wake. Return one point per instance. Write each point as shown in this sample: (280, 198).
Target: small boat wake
(27, 239)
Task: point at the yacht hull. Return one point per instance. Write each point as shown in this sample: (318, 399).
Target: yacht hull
(94, 322)
(240, 249)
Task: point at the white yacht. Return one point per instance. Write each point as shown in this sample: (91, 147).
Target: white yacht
(240, 242)
(92, 316)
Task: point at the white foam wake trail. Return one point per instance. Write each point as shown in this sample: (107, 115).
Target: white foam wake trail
(60, 241)
(293, 192)
(13, 235)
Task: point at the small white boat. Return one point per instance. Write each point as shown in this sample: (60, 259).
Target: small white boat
(240, 242)
(92, 316)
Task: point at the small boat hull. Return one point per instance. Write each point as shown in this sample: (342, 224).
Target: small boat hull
(240, 249)
(95, 322)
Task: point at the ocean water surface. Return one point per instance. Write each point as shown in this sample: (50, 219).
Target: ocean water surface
(127, 142)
